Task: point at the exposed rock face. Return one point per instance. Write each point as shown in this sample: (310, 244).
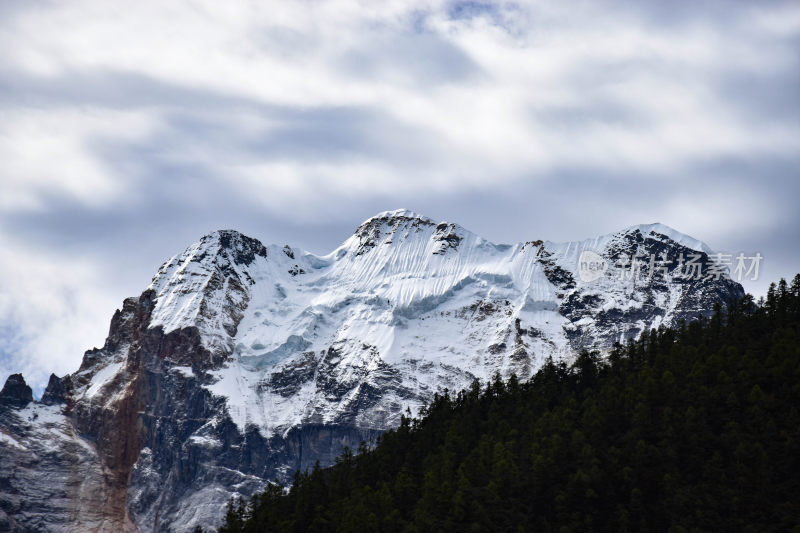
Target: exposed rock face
(16, 393)
(51, 478)
(242, 363)
(56, 392)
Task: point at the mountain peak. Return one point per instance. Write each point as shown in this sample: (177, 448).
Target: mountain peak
(382, 227)
(218, 249)
(393, 218)
(411, 229)
(242, 248)
(16, 392)
(398, 213)
(657, 228)
(207, 285)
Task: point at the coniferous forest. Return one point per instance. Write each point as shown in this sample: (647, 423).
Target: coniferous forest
(695, 428)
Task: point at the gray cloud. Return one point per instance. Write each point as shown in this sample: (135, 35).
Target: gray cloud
(422, 58)
(107, 88)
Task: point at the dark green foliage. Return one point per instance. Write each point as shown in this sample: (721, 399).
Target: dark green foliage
(691, 429)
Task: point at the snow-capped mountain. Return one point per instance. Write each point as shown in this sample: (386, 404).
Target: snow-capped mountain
(243, 362)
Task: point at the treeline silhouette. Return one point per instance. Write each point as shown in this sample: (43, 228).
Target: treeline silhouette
(694, 428)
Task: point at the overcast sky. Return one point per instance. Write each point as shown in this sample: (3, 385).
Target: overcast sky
(130, 129)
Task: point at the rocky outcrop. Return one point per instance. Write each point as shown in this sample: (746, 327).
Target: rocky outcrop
(57, 391)
(16, 393)
(51, 478)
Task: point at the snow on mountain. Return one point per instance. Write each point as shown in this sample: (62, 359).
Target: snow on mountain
(242, 362)
(405, 307)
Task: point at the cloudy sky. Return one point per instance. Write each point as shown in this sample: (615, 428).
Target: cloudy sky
(130, 129)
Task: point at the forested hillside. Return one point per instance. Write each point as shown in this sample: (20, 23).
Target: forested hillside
(689, 429)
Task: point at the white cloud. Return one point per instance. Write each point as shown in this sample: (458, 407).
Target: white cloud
(472, 83)
(46, 152)
(56, 306)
